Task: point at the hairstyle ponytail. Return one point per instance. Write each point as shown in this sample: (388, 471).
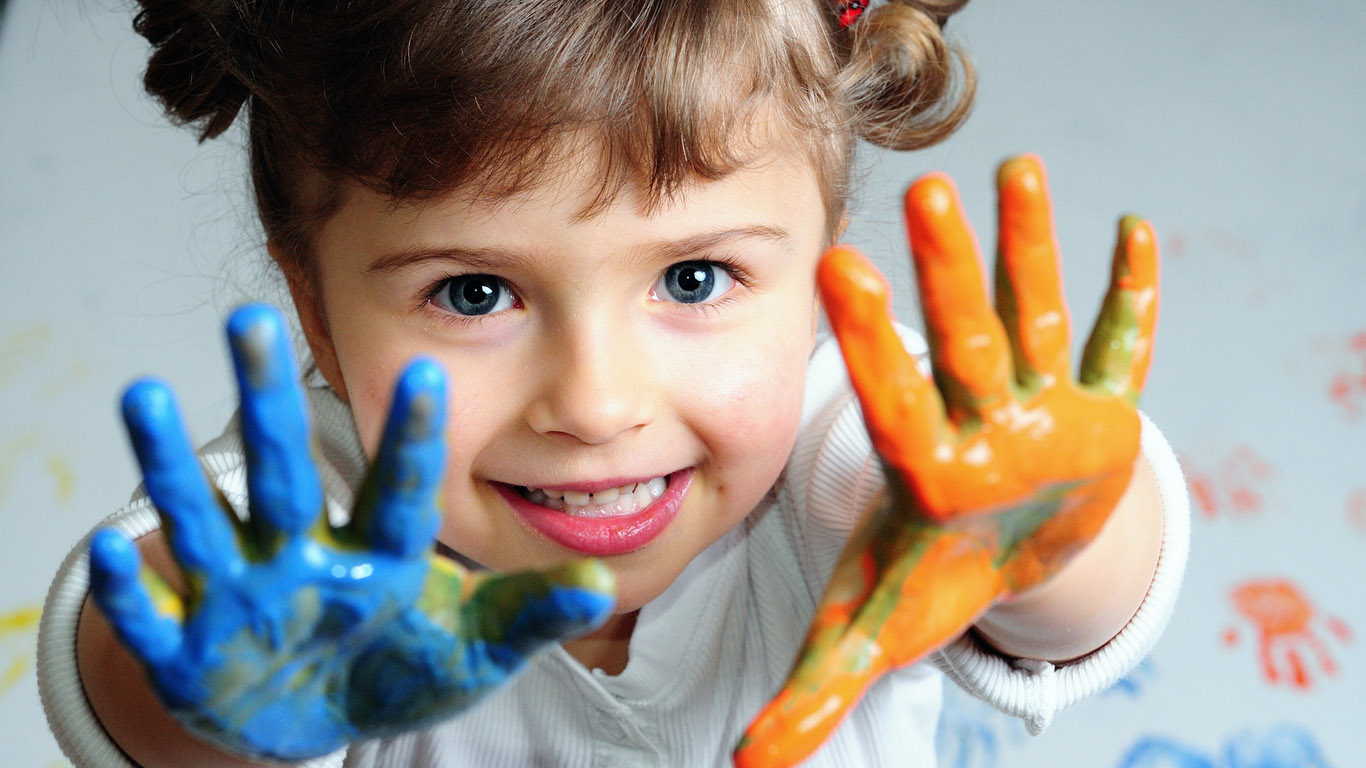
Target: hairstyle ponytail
(190, 70)
(906, 86)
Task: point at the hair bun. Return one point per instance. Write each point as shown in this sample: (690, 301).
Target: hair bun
(907, 86)
(190, 70)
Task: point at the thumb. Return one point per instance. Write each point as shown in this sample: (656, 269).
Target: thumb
(520, 612)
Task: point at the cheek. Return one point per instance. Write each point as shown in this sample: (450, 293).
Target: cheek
(751, 404)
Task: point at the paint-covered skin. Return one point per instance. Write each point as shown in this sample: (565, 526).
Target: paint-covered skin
(999, 470)
(295, 637)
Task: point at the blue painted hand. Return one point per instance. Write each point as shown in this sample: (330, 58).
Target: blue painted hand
(295, 637)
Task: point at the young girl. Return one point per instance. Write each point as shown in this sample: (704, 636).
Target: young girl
(596, 227)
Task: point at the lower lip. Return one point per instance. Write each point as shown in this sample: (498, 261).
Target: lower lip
(602, 536)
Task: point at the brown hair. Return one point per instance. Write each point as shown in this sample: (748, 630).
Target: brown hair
(414, 98)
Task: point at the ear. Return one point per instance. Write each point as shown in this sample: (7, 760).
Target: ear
(312, 318)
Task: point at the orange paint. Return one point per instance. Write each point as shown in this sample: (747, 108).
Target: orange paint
(1000, 470)
(1347, 387)
(1356, 509)
(1234, 487)
(1285, 622)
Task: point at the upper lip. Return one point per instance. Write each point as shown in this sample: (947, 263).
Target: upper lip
(592, 486)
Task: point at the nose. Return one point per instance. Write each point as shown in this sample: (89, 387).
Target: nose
(594, 385)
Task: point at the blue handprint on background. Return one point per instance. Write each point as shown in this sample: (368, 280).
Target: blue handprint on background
(295, 637)
(1281, 746)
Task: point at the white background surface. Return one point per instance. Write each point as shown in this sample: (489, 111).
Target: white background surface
(1239, 128)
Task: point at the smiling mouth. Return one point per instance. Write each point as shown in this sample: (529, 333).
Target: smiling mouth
(622, 501)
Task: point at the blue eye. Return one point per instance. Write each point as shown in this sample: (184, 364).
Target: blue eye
(693, 282)
(474, 295)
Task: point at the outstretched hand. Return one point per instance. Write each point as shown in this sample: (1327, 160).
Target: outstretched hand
(295, 637)
(999, 471)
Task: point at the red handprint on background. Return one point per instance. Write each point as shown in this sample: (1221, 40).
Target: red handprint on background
(1348, 385)
(1356, 509)
(1234, 487)
(1286, 621)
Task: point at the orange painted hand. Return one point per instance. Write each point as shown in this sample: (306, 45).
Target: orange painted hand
(998, 472)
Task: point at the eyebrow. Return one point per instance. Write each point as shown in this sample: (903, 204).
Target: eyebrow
(498, 258)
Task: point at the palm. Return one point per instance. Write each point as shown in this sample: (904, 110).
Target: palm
(295, 637)
(998, 471)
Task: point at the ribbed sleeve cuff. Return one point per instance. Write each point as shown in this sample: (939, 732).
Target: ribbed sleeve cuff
(1035, 690)
(78, 732)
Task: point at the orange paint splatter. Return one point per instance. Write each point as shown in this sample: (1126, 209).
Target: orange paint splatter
(1289, 631)
(1176, 245)
(1234, 487)
(1356, 509)
(1347, 385)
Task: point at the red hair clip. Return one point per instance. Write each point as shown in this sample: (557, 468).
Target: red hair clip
(850, 10)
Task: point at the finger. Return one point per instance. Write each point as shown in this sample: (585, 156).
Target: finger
(515, 614)
(285, 494)
(200, 529)
(1028, 278)
(1120, 348)
(923, 587)
(967, 343)
(396, 510)
(903, 411)
(118, 590)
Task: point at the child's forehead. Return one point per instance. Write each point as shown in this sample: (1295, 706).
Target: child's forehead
(579, 184)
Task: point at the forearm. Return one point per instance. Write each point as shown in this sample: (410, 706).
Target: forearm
(1096, 594)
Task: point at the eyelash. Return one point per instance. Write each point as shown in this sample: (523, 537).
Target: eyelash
(737, 272)
(730, 264)
(429, 294)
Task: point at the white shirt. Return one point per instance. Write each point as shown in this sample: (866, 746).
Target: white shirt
(706, 654)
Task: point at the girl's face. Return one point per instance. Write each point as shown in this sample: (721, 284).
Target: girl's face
(622, 385)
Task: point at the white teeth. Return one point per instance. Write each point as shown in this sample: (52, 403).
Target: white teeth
(612, 502)
(657, 486)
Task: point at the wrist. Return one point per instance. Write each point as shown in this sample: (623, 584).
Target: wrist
(1095, 595)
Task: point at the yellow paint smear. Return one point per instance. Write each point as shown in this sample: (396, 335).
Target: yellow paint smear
(63, 477)
(18, 622)
(19, 344)
(22, 620)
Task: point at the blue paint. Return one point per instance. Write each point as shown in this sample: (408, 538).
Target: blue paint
(972, 734)
(1133, 684)
(1281, 746)
(285, 494)
(1159, 752)
(298, 638)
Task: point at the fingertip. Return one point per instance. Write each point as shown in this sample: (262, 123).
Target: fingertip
(261, 353)
(581, 609)
(147, 399)
(419, 408)
(1138, 249)
(1136, 233)
(1022, 173)
(931, 196)
(113, 558)
(844, 267)
(254, 319)
(423, 374)
(590, 574)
